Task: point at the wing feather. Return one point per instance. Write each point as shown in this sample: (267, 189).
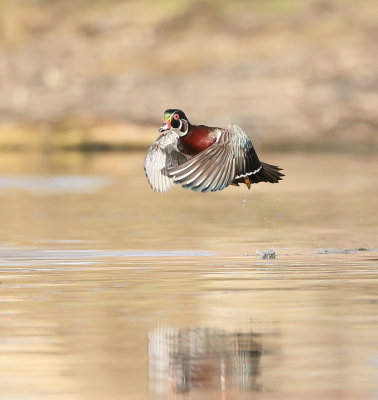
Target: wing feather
(188, 173)
(162, 155)
(207, 179)
(212, 179)
(223, 178)
(231, 157)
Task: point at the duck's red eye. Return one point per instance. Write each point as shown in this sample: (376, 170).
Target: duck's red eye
(176, 116)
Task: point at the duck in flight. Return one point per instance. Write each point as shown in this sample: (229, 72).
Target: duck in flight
(203, 158)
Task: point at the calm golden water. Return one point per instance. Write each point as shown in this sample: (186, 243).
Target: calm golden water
(110, 291)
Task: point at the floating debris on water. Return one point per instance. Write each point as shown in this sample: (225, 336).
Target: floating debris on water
(342, 251)
(268, 254)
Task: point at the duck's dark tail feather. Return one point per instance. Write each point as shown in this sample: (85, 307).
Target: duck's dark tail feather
(270, 173)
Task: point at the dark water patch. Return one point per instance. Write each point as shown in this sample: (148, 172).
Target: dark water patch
(343, 251)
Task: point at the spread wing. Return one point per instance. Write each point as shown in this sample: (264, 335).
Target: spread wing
(231, 157)
(163, 154)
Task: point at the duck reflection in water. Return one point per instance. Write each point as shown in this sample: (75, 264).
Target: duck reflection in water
(211, 361)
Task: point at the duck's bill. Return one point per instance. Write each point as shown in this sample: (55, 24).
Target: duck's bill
(166, 126)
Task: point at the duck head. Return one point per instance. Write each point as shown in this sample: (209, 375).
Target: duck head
(176, 120)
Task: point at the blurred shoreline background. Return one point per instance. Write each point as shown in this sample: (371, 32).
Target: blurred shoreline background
(97, 75)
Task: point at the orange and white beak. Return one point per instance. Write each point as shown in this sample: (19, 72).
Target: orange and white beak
(166, 126)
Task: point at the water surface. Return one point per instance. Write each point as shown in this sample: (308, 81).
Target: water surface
(111, 291)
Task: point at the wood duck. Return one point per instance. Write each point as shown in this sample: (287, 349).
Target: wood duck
(203, 158)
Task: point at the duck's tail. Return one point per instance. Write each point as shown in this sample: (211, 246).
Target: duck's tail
(269, 173)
